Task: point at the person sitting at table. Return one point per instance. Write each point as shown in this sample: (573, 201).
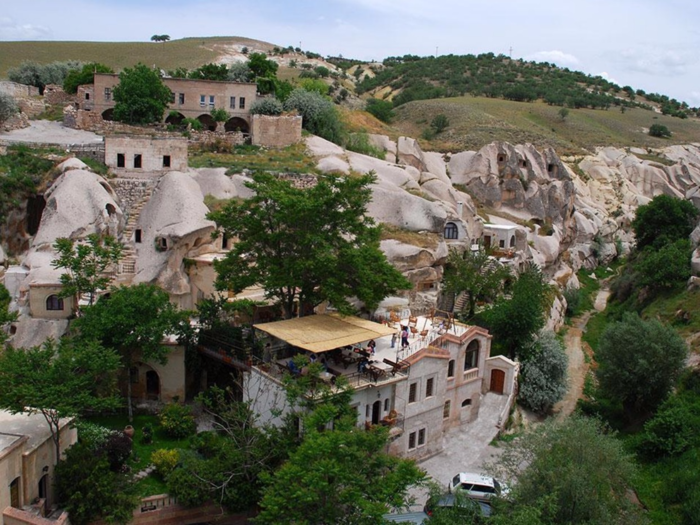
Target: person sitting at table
(362, 365)
(293, 368)
(324, 362)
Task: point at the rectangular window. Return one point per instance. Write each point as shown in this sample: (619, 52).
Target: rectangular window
(232, 103)
(172, 97)
(412, 391)
(121, 162)
(137, 235)
(386, 405)
(211, 101)
(421, 437)
(446, 410)
(451, 368)
(224, 242)
(241, 103)
(429, 387)
(411, 440)
(203, 101)
(87, 96)
(181, 98)
(166, 161)
(367, 409)
(108, 94)
(137, 160)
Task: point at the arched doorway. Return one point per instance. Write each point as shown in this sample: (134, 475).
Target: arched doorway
(152, 385)
(44, 489)
(208, 122)
(35, 209)
(108, 114)
(236, 124)
(175, 118)
(498, 381)
(376, 412)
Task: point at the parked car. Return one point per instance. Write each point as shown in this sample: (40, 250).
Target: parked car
(477, 486)
(417, 518)
(472, 507)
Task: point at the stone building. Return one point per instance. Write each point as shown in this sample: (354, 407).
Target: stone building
(146, 154)
(27, 461)
(190, 99)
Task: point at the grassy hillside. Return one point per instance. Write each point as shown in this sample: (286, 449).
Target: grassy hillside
(476, 121)
(188, 52)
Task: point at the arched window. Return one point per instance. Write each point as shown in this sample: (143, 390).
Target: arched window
(512, 241)
(471, 358)
(466, 403)
(54, 302)
(451, 368)
(451, 231)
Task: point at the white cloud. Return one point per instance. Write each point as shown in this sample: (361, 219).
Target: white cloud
(607, 77)
(694, 99)
(10, 30)
(555, 56)
(658, 62)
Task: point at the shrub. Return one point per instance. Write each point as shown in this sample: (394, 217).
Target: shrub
(322, 71)
(382, 109)
(439, 123)
(266, 106)
(543, 376)
(573, 301)
(193, 123)
(165, 461)
(659, 130)
(91, 434)
(117, 449)
(147, 434)
(219, 115)
(8, 106)
(318, 113)
(359, 143)
(177, 421)
(668, 433)
(189, 490)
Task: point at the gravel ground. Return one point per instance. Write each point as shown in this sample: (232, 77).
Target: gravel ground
(52, 133)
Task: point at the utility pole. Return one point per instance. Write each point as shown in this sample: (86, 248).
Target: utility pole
(510, 52)
(436, 51)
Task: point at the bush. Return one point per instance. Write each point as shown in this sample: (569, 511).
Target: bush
(177, 421)
(219, 114)
(359, 143)
(318, 113)
(382, 109)
(165, 461)
(322, 71)
(85, 75)
(573, 301)
(668, 433)
(193, 123)
(91, 434)
(266, 106)
(189, 490)
(117, 449)
(439, 123)
(659, 130)
(8, 106)
(147, 434)
(543, 373)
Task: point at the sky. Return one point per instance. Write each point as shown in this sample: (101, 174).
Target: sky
(648, 44)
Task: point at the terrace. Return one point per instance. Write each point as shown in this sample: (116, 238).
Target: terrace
(340, 345)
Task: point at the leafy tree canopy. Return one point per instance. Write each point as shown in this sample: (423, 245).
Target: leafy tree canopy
(133, 320)
(85, 75)
(41, 75)
(8, 106)
(664, 220)
(85, 264)
(569, 471)
(543, 377)
(665, 267)
(659, 130)
(58, 380)
(309, 245)
(141, 97)
(639, 362)
(382, 109)
(319, 115)
(210, 72)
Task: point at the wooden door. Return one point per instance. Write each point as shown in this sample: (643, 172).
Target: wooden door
(498, 380)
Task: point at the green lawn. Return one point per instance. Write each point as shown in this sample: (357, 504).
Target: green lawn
(292, 159)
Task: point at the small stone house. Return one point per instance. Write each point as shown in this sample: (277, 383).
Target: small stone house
(146, 154)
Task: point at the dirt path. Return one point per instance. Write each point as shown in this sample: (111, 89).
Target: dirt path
(578, 367)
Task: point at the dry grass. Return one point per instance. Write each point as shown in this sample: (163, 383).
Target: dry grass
(477, 121)
(426, 240)
(187, 52)
(292, 159)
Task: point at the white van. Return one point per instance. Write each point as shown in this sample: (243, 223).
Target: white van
(476, 486)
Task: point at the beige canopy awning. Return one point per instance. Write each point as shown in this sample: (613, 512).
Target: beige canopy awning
(320, 333)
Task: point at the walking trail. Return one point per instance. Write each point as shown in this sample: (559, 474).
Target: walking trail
(578, 367)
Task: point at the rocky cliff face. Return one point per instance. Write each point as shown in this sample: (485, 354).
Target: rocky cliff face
(564, 214)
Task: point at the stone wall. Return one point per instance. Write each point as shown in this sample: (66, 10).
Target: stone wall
(132, 191)
(16, 121)
(31, 106)
(54, 94)
(18, 90)
(277, 132)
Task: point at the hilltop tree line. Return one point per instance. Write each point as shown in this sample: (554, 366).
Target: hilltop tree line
(488, 75)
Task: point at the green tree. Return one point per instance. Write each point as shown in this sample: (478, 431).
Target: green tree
(309, 245)
(210, 72)
(515, 320)
(264, 72)
(41, 75)
(58, 380)
(563, 113)
(160, 38)
(266, 106)
(89, 490)
(85, 265)
(85, 75)
(219, 114)
(665, 267)
(664, 220)
(133, 321)
(8, 106)
(639, 362)
(543, 377)
(569, 471)
(382, 109)
(141, 97)
(319, 115)
(659, 130)
(239, 72)
(475, 273)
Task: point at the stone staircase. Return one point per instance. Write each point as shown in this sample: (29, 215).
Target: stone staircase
(134, 194)
(460, 302)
